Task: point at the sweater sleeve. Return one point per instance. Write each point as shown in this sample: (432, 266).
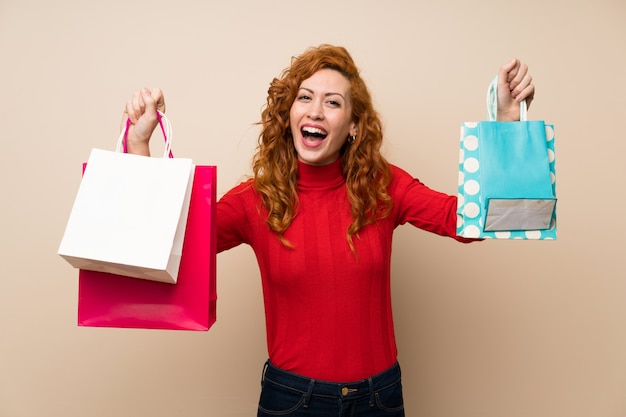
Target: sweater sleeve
(233, 226)
(423, 207)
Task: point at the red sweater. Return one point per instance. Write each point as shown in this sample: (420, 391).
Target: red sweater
(328, 314)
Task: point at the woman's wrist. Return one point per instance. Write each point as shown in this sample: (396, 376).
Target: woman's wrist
(137, 146)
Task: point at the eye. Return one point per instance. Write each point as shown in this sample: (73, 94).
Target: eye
(304, 97)
(334, 103)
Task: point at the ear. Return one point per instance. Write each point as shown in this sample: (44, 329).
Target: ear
(354, 129)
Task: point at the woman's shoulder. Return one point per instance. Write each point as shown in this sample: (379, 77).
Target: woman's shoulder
(243, 190)
(400, 175)
(244, 185)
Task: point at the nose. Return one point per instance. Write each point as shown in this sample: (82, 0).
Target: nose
(316, 110)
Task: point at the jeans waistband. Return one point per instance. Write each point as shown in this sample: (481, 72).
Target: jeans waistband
(345, 390)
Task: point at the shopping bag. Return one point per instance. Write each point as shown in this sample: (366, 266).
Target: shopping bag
(130, 213)
(507, 177)
(107, 300)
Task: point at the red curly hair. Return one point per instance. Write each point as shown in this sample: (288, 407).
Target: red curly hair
(275, 164)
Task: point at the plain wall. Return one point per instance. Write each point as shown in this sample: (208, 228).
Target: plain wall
(501, 328)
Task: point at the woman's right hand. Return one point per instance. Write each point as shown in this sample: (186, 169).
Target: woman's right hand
(141, 110)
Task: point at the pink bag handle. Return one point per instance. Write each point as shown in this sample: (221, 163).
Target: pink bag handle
(166, 129)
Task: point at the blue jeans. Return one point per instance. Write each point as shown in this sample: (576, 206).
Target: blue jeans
(286, 394)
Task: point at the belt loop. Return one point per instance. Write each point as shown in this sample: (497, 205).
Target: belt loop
(267, 364)
(369, 380)
(308, 394)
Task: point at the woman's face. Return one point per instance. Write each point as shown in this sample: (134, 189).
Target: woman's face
(321, 117)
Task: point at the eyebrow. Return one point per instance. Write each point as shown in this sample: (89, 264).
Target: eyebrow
(325, 95)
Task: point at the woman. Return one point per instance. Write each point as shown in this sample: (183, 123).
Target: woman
(319, 214)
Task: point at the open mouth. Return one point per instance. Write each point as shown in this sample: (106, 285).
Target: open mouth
(313, 133)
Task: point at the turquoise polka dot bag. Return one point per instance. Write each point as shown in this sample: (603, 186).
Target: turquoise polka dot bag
(507, 177)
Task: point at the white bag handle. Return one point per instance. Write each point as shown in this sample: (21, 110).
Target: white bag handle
(492, 103)
(166, 128)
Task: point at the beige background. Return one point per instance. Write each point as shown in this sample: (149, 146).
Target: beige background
(503, 328)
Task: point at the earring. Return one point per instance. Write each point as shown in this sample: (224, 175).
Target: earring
(351, 139)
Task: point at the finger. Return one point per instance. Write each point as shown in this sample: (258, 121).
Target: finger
(507, 72)
(157, 94)
(149, 101)
(520, 86)
(519, 76)
(135, 107)
(129, 112)
(527, 94)
(152, 100)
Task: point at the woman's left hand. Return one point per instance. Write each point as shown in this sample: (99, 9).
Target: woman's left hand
(514, 85)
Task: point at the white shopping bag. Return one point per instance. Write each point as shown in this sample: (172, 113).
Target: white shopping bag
(130, 214)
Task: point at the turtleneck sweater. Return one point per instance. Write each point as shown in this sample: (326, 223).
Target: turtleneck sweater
(328, 312)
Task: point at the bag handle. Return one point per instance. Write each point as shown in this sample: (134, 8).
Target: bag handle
(492, 103)
(166, 129)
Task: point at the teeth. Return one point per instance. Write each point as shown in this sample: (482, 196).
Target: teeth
(314, 131)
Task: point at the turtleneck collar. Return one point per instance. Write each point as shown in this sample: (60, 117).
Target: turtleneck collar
(324, 176)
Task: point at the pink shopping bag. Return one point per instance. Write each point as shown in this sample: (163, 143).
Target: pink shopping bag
(108, 300)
